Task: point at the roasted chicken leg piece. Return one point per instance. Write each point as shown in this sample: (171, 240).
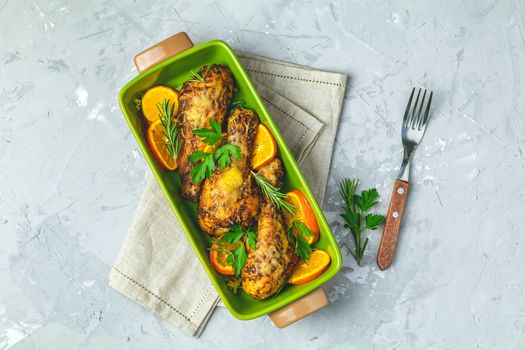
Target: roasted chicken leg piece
(273, 260)
(230, 196)
(200, 101)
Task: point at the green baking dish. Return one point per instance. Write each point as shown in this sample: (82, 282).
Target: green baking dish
(174, 71)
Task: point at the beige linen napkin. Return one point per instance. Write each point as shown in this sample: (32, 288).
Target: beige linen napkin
(157, 266)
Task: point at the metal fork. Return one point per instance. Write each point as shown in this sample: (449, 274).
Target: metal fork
(412, 131)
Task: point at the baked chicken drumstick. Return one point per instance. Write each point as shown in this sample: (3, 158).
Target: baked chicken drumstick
(273, 260)
(230, 197)
(207, 96)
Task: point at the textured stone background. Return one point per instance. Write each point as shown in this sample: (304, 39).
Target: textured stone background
(71, 174)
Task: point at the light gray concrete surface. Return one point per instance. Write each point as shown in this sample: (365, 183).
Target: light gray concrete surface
(71, 174)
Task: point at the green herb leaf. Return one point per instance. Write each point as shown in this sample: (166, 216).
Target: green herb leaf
(224, 155)
(197, 156)
(251, 239)
(204, 169)
(273, 194)
(347, 189)
(289, 233)
(303, 229)
(302, 248)
(237, 259)
(210, 136)
(373, 221)
(354, 208)
(234, 235)
(367, 199)
(238, 104)
(352, 219)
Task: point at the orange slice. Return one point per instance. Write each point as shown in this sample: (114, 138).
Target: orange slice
(303, 213)
(264, 149)
(154, 97)
(317, 263)
(218, 258)
(157, 143)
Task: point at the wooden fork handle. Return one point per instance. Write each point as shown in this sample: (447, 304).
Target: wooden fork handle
(387, 247)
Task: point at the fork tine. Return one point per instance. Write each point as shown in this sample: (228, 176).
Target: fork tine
(427, 110)
(419, 114)
(419, 117)
(407, 110)
(413, 117)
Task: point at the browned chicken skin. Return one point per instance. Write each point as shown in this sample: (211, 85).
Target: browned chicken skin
(230, 197)
(200, 101)
(273, 260)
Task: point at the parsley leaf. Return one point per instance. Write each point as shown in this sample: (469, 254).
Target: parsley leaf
(251, 239)
(224, 154)
(289, 233)
(302, 248)
(367, 199)
(210, 136)
(204, 169)
(355, 208)
(197, 156)
(373, 221)
(303, 229)
(234, 235)
(237, 259)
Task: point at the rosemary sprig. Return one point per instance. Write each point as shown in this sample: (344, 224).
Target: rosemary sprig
(238, 104)
(197, 77)
(355, 208)
(273, 194)
(171, 127)
(220, 248)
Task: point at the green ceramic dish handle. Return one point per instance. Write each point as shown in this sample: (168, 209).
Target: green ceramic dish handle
(297, 309)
